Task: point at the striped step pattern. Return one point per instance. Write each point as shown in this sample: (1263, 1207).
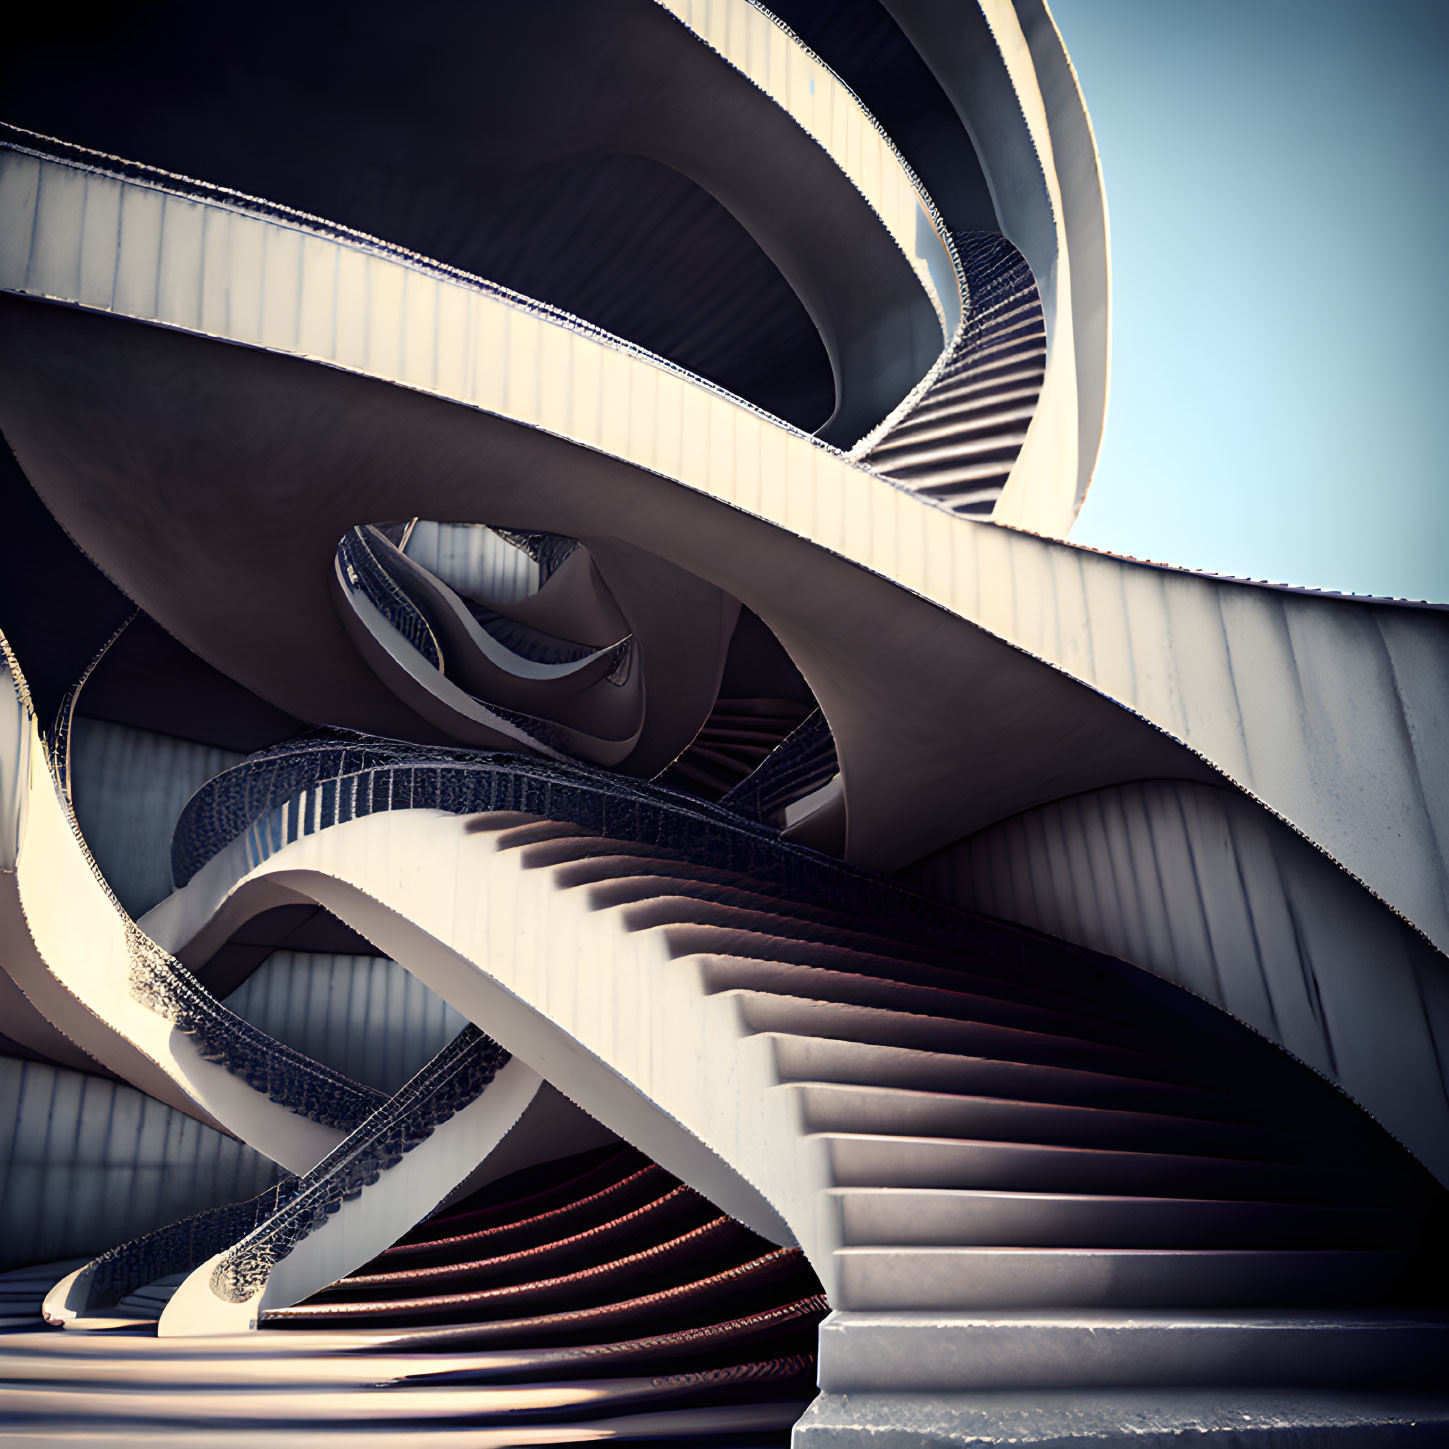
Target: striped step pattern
(805, 761)
(607, 1244)
(958, 444)
(149, 1301)
(732, 744)
(22, 1290)
(686, 1329)
(1055, 1134)
(725, 1386)
(600, 1266)
(994, 1123)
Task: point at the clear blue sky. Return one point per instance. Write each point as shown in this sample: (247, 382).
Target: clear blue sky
(1276, 181)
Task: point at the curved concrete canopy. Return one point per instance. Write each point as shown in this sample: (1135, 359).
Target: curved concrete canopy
(242, 576)
(631, 79)
(82, 388)
(861, 41)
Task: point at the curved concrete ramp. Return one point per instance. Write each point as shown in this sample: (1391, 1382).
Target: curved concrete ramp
(85, 965)
(375, 1186)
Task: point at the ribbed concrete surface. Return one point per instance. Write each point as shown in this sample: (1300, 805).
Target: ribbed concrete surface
(1205, 888)
(128, 786)
(87, 1162)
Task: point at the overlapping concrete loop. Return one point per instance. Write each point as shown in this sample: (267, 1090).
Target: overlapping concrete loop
(890, 583)
(85, 967)
(1059, 684)
(526, 491)
(561, 698)
(819, 189)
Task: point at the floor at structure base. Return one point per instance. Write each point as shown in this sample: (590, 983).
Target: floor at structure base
(1131, 1419)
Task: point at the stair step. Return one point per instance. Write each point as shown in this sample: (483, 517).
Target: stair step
(150, 1299)
(966, 443)
(893, 1111)
(961, 1279)
(825, 983)
(947, 393)
(537, 831)
(769, 1011)
(677, 1211)
(703, 884)
(934, 1217)
(915, 930)
(964, 422)
(660, 899)
(994, 350)
(829, 1059)
(939, 481)
(780, 937)
(937, 419)
(915, 922)
(586, 847)
(880, 1160)
(863, 1352)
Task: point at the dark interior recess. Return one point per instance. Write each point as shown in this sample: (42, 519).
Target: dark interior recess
(283, 928)
(863, 45)
(57, 609)
(407, 125)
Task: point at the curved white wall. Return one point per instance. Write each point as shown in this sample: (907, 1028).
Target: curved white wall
(1084, 222)
(71, 948)
(806, 89)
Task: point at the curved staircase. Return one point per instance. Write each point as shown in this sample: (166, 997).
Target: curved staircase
(1028, 1164)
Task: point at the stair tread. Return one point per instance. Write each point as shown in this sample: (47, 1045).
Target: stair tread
(781, 1010)
(929, 1094)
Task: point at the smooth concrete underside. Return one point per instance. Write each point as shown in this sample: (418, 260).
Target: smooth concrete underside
(116, 422)
(1322, 710)
(550, 147)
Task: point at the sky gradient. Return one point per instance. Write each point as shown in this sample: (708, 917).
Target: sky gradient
(1276, 184)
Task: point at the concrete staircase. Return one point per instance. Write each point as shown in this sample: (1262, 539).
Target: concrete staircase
(1053, 1172)
(1016, 1165)
(958, 444)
